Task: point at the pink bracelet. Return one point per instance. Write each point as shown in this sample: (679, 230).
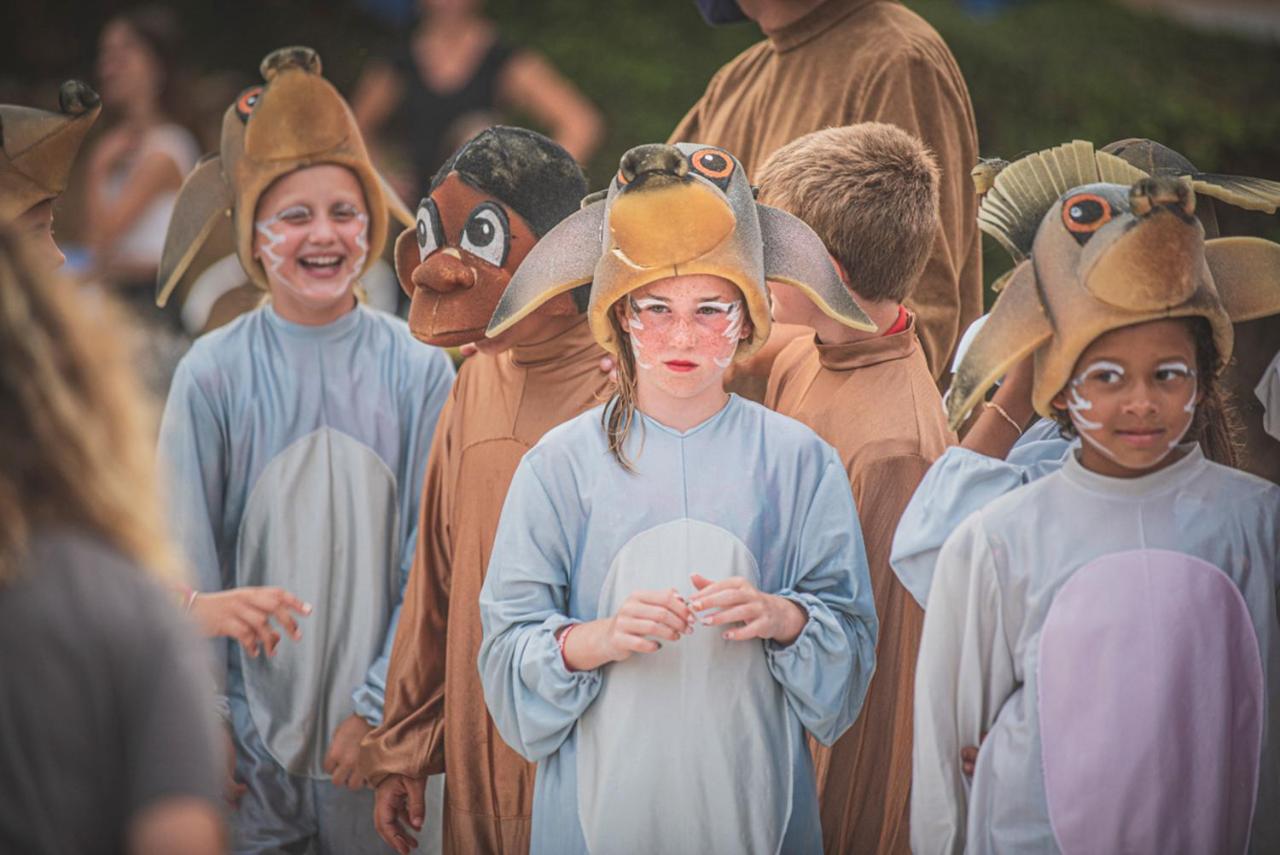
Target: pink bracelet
(191, 600)
(563, 637)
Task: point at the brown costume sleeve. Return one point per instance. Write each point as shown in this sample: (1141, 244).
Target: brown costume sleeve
(926, 96)
(410, 740)
(864, 780)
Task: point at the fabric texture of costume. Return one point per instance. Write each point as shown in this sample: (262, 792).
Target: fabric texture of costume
(578, 534)
(875, 401)
(38, 147)
(435, 718)
(677, 210)
(296, 456)
(294, 120)
(849, 61)
(1115, 640)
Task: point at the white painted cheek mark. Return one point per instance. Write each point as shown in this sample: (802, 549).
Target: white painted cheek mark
(274, 259)
(1077, 405)
(362, 243)
(1190, 409)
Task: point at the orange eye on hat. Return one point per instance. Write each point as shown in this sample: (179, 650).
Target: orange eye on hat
(712, 163)
(1085, 213)
(245, 103)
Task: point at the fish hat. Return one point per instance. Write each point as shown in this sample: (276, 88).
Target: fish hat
(1106, 256)
(676, 210)
(38, 147)
(294, 120)
(488, 207)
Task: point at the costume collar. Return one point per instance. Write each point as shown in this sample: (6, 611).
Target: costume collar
(813, 24)
(868, 351)
(732, 404)
(564, 346)
(323, 332)
(1169, 478)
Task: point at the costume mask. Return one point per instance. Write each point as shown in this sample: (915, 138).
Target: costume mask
(37, 147)
(294, 120)
(674, 210)
(1107, 256)
(499, 193)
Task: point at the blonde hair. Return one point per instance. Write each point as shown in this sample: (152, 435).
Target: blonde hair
(76, 434)
(620, 412)
(870, 191)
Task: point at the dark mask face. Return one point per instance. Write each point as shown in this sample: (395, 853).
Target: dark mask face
(456, 262)
(716, 12)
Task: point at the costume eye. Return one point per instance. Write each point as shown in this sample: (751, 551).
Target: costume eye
(1085, 213)
(487, 234)
(428, 228)
(623, 181)
(712, 163)
(245, 103)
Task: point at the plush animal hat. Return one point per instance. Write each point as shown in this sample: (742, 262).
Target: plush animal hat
(494, 199)
(294, 120)
(674, 210)
(37, 147)
(1107, 256)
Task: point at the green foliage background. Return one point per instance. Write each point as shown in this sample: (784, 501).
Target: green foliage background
(1040, 73)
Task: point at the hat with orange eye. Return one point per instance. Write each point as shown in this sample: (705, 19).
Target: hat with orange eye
(676, 210)
(38, 147)
(293, 120)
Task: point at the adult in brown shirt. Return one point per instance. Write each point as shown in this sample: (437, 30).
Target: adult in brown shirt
(827, 63)
(871, 192)
(489, 204)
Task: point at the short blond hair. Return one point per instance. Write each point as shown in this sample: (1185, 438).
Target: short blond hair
(870, 191)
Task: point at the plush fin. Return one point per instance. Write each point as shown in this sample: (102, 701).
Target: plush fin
(1252, 194)
(1016, 327)
(201, 220)
(793, 254)
(399, 211)
(1246, 271)
(565, 258)
(1024, 190)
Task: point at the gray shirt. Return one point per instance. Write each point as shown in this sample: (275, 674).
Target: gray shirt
(105, 707)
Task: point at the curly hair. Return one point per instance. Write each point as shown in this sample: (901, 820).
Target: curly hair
(1216, 425)
(76, 434)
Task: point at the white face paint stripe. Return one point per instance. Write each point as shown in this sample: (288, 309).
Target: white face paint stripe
(1076, 405)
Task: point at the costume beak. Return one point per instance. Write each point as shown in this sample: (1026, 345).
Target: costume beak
(1018, 325)
(562, 260)
(201, 223)
(794, 255)
(1246, 273)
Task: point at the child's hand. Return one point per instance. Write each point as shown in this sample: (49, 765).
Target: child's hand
(344, 752)
(763, 615)
(643, 614)
(245, 615)
(399, 801)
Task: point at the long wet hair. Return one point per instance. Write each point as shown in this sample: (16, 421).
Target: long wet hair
(77, 435)
(1216, 424)
(620, 412)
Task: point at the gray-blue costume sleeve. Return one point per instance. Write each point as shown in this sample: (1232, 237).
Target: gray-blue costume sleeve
(957, 484)
(533, 698)
(423, 403)
(826, 670)
(192, 457)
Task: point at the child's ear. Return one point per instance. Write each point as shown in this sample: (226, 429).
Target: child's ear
(1059, 402)
(620, 311)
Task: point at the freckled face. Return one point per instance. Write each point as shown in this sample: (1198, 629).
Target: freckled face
(683, 331)
(311, 236)
(1133, 396)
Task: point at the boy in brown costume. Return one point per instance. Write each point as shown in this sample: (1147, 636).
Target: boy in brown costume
(488, 206)
(871, 192)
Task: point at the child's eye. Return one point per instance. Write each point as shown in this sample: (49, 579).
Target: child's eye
(1107, 376)
(343, 212)
(1165, 375)
(710, 310)
(656, 308)
(296, 214)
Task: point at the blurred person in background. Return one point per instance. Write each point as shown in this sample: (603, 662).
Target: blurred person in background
(455, 77)
(134, 171)
(107, 741)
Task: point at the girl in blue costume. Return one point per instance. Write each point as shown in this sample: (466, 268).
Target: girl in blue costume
(678, 577)
(1108, 633)
(296, 439)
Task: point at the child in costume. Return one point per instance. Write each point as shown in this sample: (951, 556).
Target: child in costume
(297, 435)
(996, 455)
(37, 150)
(1111, 627)
(678, 588)
(489, 205)
(871, 192)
